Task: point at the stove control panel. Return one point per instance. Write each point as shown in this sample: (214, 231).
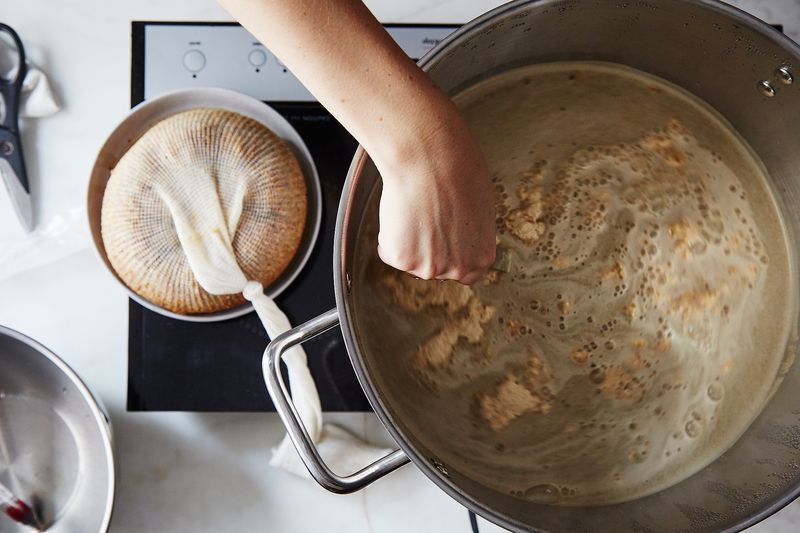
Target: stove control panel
(180, 56)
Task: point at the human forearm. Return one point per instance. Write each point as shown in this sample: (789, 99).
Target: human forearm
(352, 66)
(436, 208)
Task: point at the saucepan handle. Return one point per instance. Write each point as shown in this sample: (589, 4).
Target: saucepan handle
(294, 426)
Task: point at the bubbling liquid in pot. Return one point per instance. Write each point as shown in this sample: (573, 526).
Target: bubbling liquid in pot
(644, 314)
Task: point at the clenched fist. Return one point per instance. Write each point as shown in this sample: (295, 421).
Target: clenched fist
(437, 217)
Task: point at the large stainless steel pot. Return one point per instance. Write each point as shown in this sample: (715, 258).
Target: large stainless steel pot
(737, 64)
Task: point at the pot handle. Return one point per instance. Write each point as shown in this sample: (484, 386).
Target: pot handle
(294, 426)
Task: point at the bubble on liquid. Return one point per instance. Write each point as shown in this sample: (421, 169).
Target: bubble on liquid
(544, 493)
(638, 456)
(693, 428)
(567, 204)
(715, 392)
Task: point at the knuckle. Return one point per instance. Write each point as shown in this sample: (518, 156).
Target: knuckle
(405, 265)
(395, 260)
(398, 254)
(426, 271)
(458, 272)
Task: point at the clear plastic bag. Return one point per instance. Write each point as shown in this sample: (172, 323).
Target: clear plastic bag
(57, 236)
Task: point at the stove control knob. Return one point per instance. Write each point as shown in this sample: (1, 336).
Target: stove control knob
(257, 58)
(194, 60)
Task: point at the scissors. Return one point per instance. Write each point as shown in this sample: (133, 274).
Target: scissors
(12, 164)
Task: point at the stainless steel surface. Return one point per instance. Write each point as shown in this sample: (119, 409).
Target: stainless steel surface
(766, 88)
(55, 439)
(148, 113)
(714, 51)
(785, 75)
(20, 198)
(271, 366)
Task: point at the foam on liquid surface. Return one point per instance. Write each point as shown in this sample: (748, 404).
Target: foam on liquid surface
(643, 317)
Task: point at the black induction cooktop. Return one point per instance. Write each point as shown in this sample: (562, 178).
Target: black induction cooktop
(190, 366)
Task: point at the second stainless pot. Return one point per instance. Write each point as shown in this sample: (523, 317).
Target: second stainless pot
(737, 64)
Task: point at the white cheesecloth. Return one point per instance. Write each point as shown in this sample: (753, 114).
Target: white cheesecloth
(206, 235)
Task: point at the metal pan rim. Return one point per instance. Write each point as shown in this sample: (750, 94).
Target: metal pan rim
(142, 117)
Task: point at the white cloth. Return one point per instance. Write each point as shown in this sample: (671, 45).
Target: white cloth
(343, 452)
(38, 99)
(207, 240)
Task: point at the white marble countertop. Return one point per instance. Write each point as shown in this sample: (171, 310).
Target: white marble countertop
(181, 472)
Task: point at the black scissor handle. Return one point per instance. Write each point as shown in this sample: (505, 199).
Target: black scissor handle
(11, 88)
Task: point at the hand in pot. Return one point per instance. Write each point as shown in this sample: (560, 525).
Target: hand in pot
(437, 204)
(437, 209)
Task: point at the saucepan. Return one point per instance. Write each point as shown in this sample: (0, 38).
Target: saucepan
(737, 64)
(143, 117)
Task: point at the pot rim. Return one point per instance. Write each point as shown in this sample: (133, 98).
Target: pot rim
(341, 277)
